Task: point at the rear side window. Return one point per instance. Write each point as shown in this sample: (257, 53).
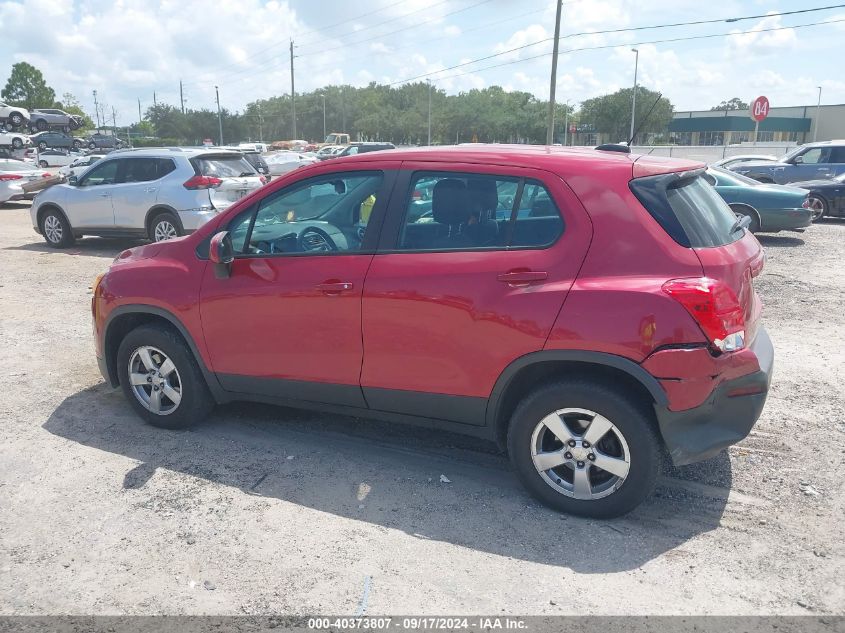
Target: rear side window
(688, 209)
(222, 166)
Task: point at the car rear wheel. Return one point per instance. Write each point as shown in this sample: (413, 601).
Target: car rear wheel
(161, 379)
(585, 449)
(92, 145)
(56, 229)
(164, 226)
(740, 209)
(42, 145)
(43, 163)
(77, 145)
(818, 206)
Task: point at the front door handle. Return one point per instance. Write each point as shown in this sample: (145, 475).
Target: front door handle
(334, 287)
(522, 277)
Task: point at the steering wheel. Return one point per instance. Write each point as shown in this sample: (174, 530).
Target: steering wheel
(314, 239)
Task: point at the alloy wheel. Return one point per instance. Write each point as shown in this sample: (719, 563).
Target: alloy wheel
(154, 380)
(816, 205)
(164, 230)
(53, 229)
(580, 453)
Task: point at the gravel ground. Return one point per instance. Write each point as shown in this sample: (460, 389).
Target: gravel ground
(265, 510)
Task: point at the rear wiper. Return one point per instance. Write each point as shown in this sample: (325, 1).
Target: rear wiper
(742, 222)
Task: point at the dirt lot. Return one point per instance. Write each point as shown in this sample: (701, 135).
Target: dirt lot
(266, 510)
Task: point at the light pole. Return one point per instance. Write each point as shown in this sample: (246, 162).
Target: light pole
(97, 110)
(634, 101)
(550, 124)
(429, 111)
(219, 118)
(324, 116)
(818, 115)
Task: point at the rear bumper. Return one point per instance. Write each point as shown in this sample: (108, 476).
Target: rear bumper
(785, 219)
(725, 417)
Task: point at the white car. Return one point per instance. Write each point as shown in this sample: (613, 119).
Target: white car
(731, 161)
(79, 165)
(55, 158)
(13, 175)
(284, 162)
(14, 139)
(13, 116)
(158, 193)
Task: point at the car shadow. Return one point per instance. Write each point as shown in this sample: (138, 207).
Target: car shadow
(431, 485)
(779, 240)
(89, 246)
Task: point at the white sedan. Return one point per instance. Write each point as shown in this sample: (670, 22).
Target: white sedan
(55, 158)
(284, 162)
(13, 139)
(14, 174)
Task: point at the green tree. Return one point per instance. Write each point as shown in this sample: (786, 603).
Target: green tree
(26, 88)
(611, 114)
(71, 105)
(732, 104)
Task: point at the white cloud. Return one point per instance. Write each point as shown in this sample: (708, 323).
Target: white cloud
(757, 41)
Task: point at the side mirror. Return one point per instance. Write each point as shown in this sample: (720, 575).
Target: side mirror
(221, 253)
(73, 180)
(797, 160)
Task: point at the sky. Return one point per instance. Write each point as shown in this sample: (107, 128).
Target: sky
(128, 49)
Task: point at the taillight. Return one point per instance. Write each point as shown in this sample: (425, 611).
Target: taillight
(714, 307)
(10, 177)
(46, 174)
(202, 182)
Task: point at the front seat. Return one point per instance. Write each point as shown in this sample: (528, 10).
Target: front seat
(450, 210)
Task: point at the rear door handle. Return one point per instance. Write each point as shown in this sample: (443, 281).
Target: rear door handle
(522, 277)
(151, 189)
(334, 287)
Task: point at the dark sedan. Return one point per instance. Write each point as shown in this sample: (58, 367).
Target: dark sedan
(58, 140)
(827, 197)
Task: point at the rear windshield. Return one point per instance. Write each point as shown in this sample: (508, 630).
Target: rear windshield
(223, 166)
(688, 209)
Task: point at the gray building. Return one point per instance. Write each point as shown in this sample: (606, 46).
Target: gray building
(794, 124)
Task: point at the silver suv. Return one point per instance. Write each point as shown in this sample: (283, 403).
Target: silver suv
(157, 193)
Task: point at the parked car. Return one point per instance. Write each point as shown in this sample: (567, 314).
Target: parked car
(771, 208)
(328, 151)
(157, 193)
(15, 175)
(808, 162)
(591, 336)
(55, 140)
(104, 141)
(827, 197)
(14, 139)
(253, 157)
(55, 158)
(80, 164)
(44, 119)
(730, 161)
(280, 163)
(13, 116)
(361, 148)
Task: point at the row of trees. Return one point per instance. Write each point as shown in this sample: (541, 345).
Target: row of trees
(379, 112)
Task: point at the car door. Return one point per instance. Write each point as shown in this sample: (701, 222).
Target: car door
(809, 165)
(89, 202)
(454, 296)
(137, 188)
(286, 323)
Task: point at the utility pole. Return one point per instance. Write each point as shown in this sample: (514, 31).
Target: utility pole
(342, 111)
(566, 123)
(155, 103)
(550, 126)
(219, 119)
(429, 111)
(324, 115)
(140, 118)
(260, 124)
(818, 115)
(113, 122)
(97, 110)
(634, 101)
(181, 98)
(292, 90)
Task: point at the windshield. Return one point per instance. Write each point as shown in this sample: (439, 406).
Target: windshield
(790, 154)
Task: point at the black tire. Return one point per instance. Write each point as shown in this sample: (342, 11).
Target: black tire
(630, 417)
(196, 402)
(17, 143)
(92, 145)
(42, 145)
(822, 204)
(16, 119)
(56, 219)
(41, 125)
(77, 144)
(165, 219)
(739, 209)
(43, 163)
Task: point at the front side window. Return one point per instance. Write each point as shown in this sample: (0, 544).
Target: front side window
(101, 174)
(815, 155)
(323, 215)
(455, 211)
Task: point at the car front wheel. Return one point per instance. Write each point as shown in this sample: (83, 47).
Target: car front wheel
(56, 229)
(161, 379)
(585, 449)
(17, 143)
(92, 145)
(16, 119)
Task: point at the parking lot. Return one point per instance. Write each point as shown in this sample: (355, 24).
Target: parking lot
(265, 510)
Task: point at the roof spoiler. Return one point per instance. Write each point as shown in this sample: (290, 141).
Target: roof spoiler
(615, 147)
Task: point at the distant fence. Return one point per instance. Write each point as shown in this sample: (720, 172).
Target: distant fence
(710, 153)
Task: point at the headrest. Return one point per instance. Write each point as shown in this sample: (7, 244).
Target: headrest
(483, 192)
(449, 202)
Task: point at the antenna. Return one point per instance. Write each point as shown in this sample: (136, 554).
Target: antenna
(645, 118)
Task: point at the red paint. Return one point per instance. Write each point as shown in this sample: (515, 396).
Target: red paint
(759, 109)
(451, 322)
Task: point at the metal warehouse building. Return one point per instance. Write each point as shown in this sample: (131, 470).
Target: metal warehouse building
(795, 124)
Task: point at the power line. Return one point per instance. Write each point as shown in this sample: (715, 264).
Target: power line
(606, 46)
(637, 28)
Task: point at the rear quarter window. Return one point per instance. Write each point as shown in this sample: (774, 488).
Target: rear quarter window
(688, 209)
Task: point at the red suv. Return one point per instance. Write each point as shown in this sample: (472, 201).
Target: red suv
(590, 311)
